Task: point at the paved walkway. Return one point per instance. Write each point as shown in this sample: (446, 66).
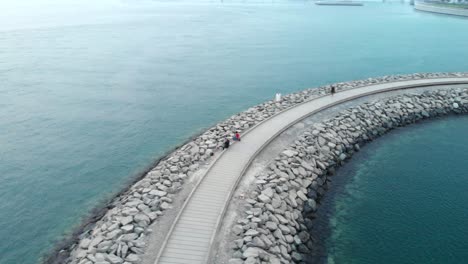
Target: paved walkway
(191, 237)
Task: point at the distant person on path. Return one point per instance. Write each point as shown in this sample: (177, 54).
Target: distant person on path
(226, 144)
(236, 137)
(333, 90)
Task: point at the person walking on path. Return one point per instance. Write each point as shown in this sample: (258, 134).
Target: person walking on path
(226, 144)
(333, 90)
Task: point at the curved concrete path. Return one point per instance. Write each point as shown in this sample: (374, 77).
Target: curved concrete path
(190, 239)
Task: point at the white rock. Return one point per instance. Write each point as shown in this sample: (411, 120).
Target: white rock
(142, 218)
(114, 259)
(129, 237)
(307, 166)
(126, 220)
(165, 206)
(127, 228)
(289, 153)
(174, 169)
(268, 192)
(342, 156)
(253, 252)
(301, 195)
(132, 258)
(263, 198)
(158, 193)
(251, 232)
(271, 225)
(95, 241)
(85, 243)
(237, 229)
(114, 234)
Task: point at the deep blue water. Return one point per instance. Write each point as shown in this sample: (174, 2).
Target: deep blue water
(89, 95)
(402, 199)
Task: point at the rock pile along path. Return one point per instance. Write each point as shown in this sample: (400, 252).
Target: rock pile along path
(192, 234)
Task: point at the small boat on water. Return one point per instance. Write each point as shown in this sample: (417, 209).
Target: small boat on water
(340, 3)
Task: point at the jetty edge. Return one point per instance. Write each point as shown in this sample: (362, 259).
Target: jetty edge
(121, 233)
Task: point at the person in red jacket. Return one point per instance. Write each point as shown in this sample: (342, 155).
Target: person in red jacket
(237, 136)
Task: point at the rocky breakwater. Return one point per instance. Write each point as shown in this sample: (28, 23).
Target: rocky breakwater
(276, 221)
(120, 236)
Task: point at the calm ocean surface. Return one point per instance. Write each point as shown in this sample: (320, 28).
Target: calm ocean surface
(89, 95)
(402, 199)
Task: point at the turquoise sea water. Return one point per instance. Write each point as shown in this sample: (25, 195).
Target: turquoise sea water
(91, 93)
(403, 199)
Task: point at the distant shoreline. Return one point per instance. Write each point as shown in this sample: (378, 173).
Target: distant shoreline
(339, 3)
(438, 9)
